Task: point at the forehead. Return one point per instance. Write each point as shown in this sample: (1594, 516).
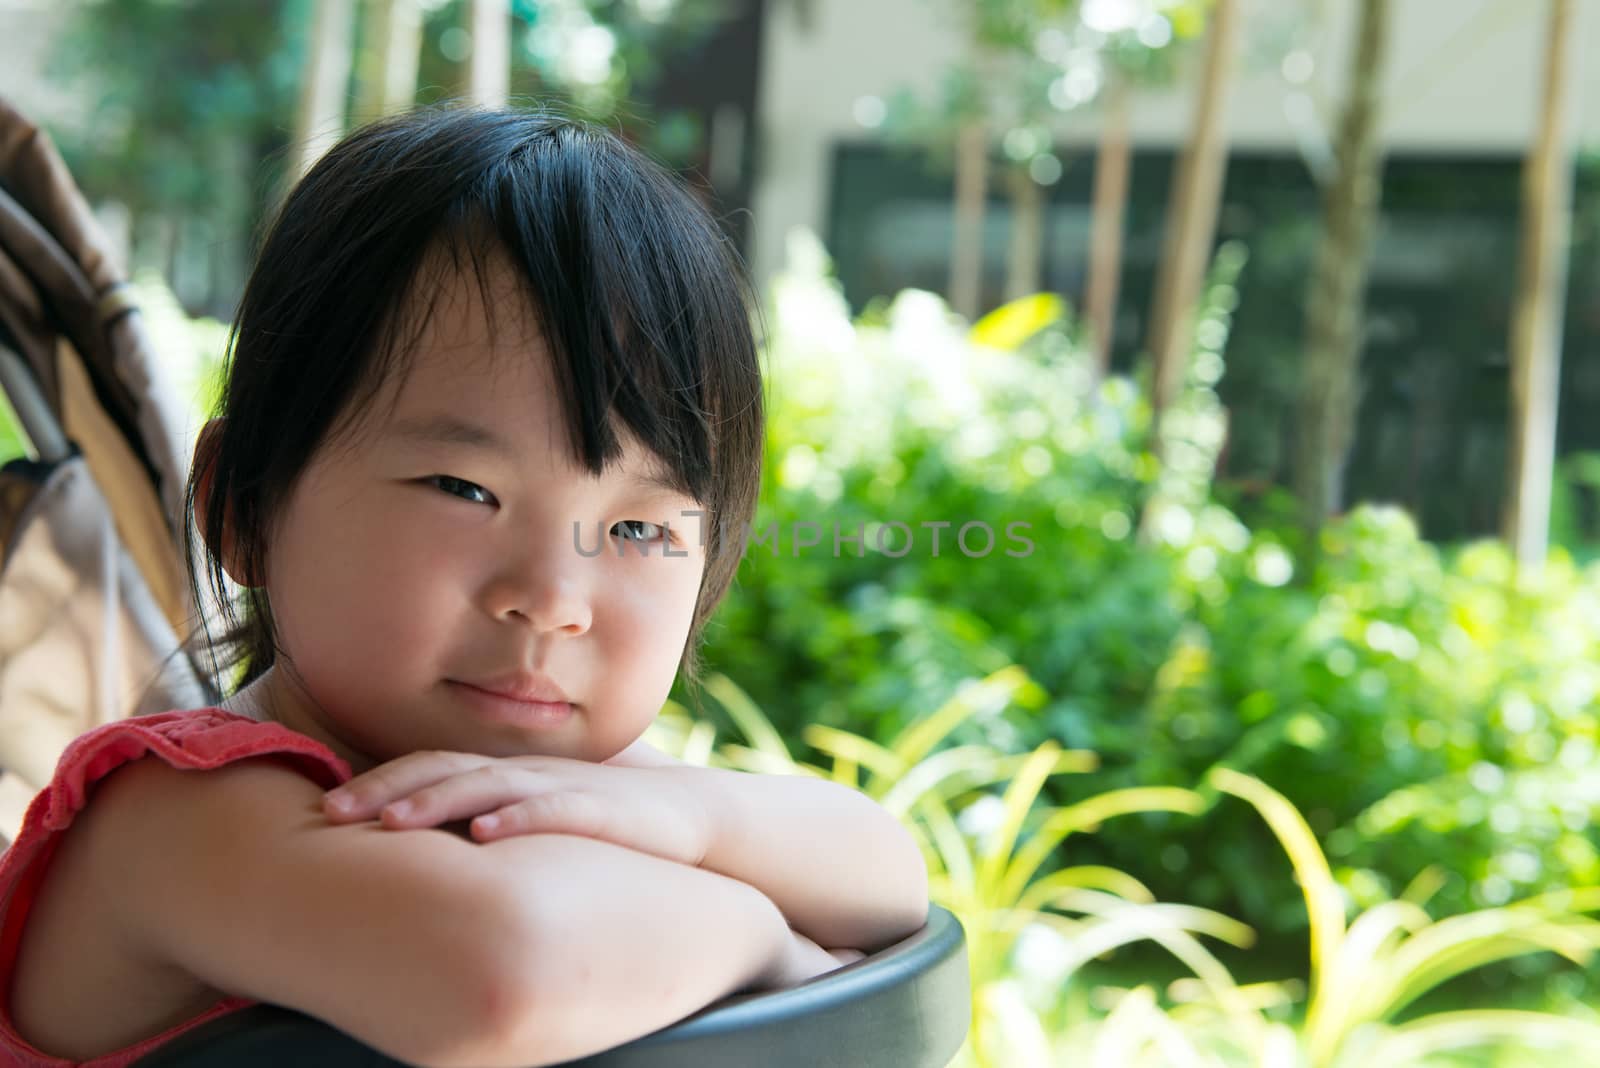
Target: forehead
(472, 327)
(465, 339)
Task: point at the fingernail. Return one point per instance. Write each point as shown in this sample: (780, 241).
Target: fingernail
(399, 810)
(488, 823)
(339, 802)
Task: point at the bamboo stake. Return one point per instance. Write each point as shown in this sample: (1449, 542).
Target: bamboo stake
(1538, 309)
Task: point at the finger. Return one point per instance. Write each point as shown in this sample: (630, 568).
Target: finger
(555, 812)
(471, 793)
(363, 796)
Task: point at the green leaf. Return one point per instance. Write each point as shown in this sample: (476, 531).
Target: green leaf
(756, 728)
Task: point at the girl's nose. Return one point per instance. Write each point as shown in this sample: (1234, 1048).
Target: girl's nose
(548, 594)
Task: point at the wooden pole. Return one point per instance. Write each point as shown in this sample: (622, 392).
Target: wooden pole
(1112, 168)
(388, 81)
(1025, 258)
(489, 67)
(1538, 309)
(320, 120)
(1335, 298)
(1191, 217)
(971, 205)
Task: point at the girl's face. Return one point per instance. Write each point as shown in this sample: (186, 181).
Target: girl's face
(426, 577)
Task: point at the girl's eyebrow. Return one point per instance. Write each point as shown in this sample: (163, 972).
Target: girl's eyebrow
(656, 477)
(444, 429)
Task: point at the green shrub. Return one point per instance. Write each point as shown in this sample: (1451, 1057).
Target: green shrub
(1411, 702)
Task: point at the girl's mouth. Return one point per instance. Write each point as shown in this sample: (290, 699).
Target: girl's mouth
(499, 706)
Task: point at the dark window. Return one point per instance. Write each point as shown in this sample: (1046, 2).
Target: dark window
(1431, 429)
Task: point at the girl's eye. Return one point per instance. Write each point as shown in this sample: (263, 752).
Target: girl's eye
(460, 487)
(641, 531)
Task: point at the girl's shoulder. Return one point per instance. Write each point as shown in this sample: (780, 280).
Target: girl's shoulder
(196, 740)
(57, 931)
(199, 739)
(197, 894)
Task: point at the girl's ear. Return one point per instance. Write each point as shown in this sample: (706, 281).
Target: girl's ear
(222, 544)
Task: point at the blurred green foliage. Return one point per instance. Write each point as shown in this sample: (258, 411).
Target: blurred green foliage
(178, 92)
(601, 58)
(187, 108)
(1031, 61)
(1575, 505)
(1411, 702)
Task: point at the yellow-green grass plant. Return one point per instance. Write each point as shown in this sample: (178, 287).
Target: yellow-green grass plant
(1364, 975)
(1134, 1030)
(1367, 972)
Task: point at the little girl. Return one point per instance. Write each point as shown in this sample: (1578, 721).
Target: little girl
(477, 346)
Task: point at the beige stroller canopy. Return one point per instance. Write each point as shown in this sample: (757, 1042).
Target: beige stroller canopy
(93, 592)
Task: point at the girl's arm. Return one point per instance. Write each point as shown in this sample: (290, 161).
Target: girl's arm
(437, 951)
(842, 870)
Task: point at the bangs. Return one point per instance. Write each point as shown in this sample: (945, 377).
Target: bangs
(641, 308)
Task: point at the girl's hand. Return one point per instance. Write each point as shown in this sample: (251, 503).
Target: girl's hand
(654, 810)
(804, 960)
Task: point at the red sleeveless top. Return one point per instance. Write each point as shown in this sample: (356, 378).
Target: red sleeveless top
(203, 739)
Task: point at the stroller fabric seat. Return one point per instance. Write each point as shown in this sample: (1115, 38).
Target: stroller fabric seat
(92, 588)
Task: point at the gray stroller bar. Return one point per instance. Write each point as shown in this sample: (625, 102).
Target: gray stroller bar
(33, 411)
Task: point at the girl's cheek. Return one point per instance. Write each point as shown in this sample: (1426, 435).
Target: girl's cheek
(657, 608)
(655, 586)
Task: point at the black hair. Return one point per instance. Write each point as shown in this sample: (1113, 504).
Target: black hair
(642, 304)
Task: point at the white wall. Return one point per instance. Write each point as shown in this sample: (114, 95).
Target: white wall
(1463, 75)
(28, 32)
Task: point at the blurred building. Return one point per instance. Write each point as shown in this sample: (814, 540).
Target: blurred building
(783, 115)
(30, 29)
(1461, 92)
(1463, 78)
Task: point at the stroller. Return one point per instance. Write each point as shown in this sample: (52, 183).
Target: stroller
(93, 594)
(94, 597)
